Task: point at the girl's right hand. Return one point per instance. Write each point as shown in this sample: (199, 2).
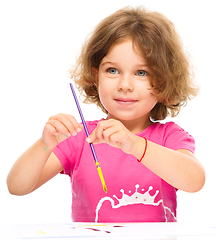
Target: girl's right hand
(58, 128)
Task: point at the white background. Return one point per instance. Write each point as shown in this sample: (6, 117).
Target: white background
(39, 41)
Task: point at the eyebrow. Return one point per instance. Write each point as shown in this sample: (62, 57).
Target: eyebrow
(108, 62)
(115, 63)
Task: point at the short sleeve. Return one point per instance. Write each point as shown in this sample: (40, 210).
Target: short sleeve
(63, 153)
(177, 138)
(69, 152)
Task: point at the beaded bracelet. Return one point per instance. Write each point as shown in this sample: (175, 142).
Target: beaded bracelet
(144, 151)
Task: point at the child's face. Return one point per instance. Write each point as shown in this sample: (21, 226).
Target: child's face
(124, 83)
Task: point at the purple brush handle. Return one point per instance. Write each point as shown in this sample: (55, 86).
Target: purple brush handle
(84, 123)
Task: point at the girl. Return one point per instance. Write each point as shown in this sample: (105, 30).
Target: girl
(134, 68)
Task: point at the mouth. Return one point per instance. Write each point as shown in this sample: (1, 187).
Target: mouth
(125, 101)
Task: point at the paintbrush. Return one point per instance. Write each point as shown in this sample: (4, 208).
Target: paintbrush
(91, 145)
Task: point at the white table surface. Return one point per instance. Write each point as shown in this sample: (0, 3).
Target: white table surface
(144, 231)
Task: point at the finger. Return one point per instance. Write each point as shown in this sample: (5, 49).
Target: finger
(92, 138)
(70, 123)
(60, 128)
(108, 132)
(102, 132)
(50, 129)
(78, 126)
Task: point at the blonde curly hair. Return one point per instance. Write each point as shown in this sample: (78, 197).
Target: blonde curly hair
(155, 36)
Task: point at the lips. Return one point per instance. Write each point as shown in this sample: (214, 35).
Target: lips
(125, 101)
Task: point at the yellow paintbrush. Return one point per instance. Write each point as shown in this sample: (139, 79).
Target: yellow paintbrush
(91, 145)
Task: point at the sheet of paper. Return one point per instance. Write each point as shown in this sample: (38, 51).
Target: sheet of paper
(8, 232)
(162, 231)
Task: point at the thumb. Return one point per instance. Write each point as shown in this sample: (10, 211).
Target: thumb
(92, 138)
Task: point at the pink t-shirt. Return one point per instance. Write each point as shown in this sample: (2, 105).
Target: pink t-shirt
(135, 194)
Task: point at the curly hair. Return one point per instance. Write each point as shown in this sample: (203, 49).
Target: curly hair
(156, 37)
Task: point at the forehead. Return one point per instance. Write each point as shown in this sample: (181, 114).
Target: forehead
(125, 51)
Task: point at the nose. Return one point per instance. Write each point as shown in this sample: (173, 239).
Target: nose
(125, 83)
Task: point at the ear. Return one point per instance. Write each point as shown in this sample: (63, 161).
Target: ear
(95, 73)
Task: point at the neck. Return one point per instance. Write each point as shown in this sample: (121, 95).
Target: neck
(136, 125)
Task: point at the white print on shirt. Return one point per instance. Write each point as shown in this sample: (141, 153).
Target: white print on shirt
(136, 198)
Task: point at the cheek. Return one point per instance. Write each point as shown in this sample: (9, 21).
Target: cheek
(152, 97)
(149, 98)
(103, 93)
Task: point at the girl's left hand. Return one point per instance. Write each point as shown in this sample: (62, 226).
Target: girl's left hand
(115, 134)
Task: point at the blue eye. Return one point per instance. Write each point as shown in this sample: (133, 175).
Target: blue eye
(113, 71)
(141, 73)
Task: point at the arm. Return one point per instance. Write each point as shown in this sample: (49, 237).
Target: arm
(179, 168)
(38, 164)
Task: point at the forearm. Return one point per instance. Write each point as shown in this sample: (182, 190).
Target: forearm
(180, 170)
(26, 171)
